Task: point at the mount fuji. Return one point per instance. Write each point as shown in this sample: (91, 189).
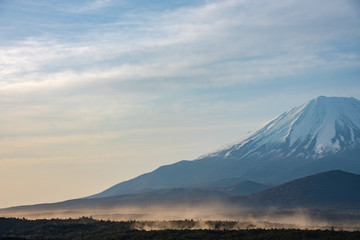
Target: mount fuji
(321, 135)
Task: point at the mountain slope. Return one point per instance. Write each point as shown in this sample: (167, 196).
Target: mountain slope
(153, 198)
(321, 135)
(245, 188)
(332, 188)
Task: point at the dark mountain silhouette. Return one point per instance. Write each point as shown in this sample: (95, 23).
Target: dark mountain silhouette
(332, 188)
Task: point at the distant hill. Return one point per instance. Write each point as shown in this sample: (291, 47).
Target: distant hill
(165, 197)
(332, 188)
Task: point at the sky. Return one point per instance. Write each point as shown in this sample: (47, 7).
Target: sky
(95, 92)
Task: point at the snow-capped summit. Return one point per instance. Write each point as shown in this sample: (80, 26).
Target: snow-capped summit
(322, 126)
(321, 135)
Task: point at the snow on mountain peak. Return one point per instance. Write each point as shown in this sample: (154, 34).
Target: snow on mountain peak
(323, 125)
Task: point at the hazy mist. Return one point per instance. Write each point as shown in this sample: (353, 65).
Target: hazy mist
(207, 217)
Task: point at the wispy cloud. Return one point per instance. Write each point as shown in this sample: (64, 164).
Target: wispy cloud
(194, 48)
(218, 44)
(236, 36)
(88, 6)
